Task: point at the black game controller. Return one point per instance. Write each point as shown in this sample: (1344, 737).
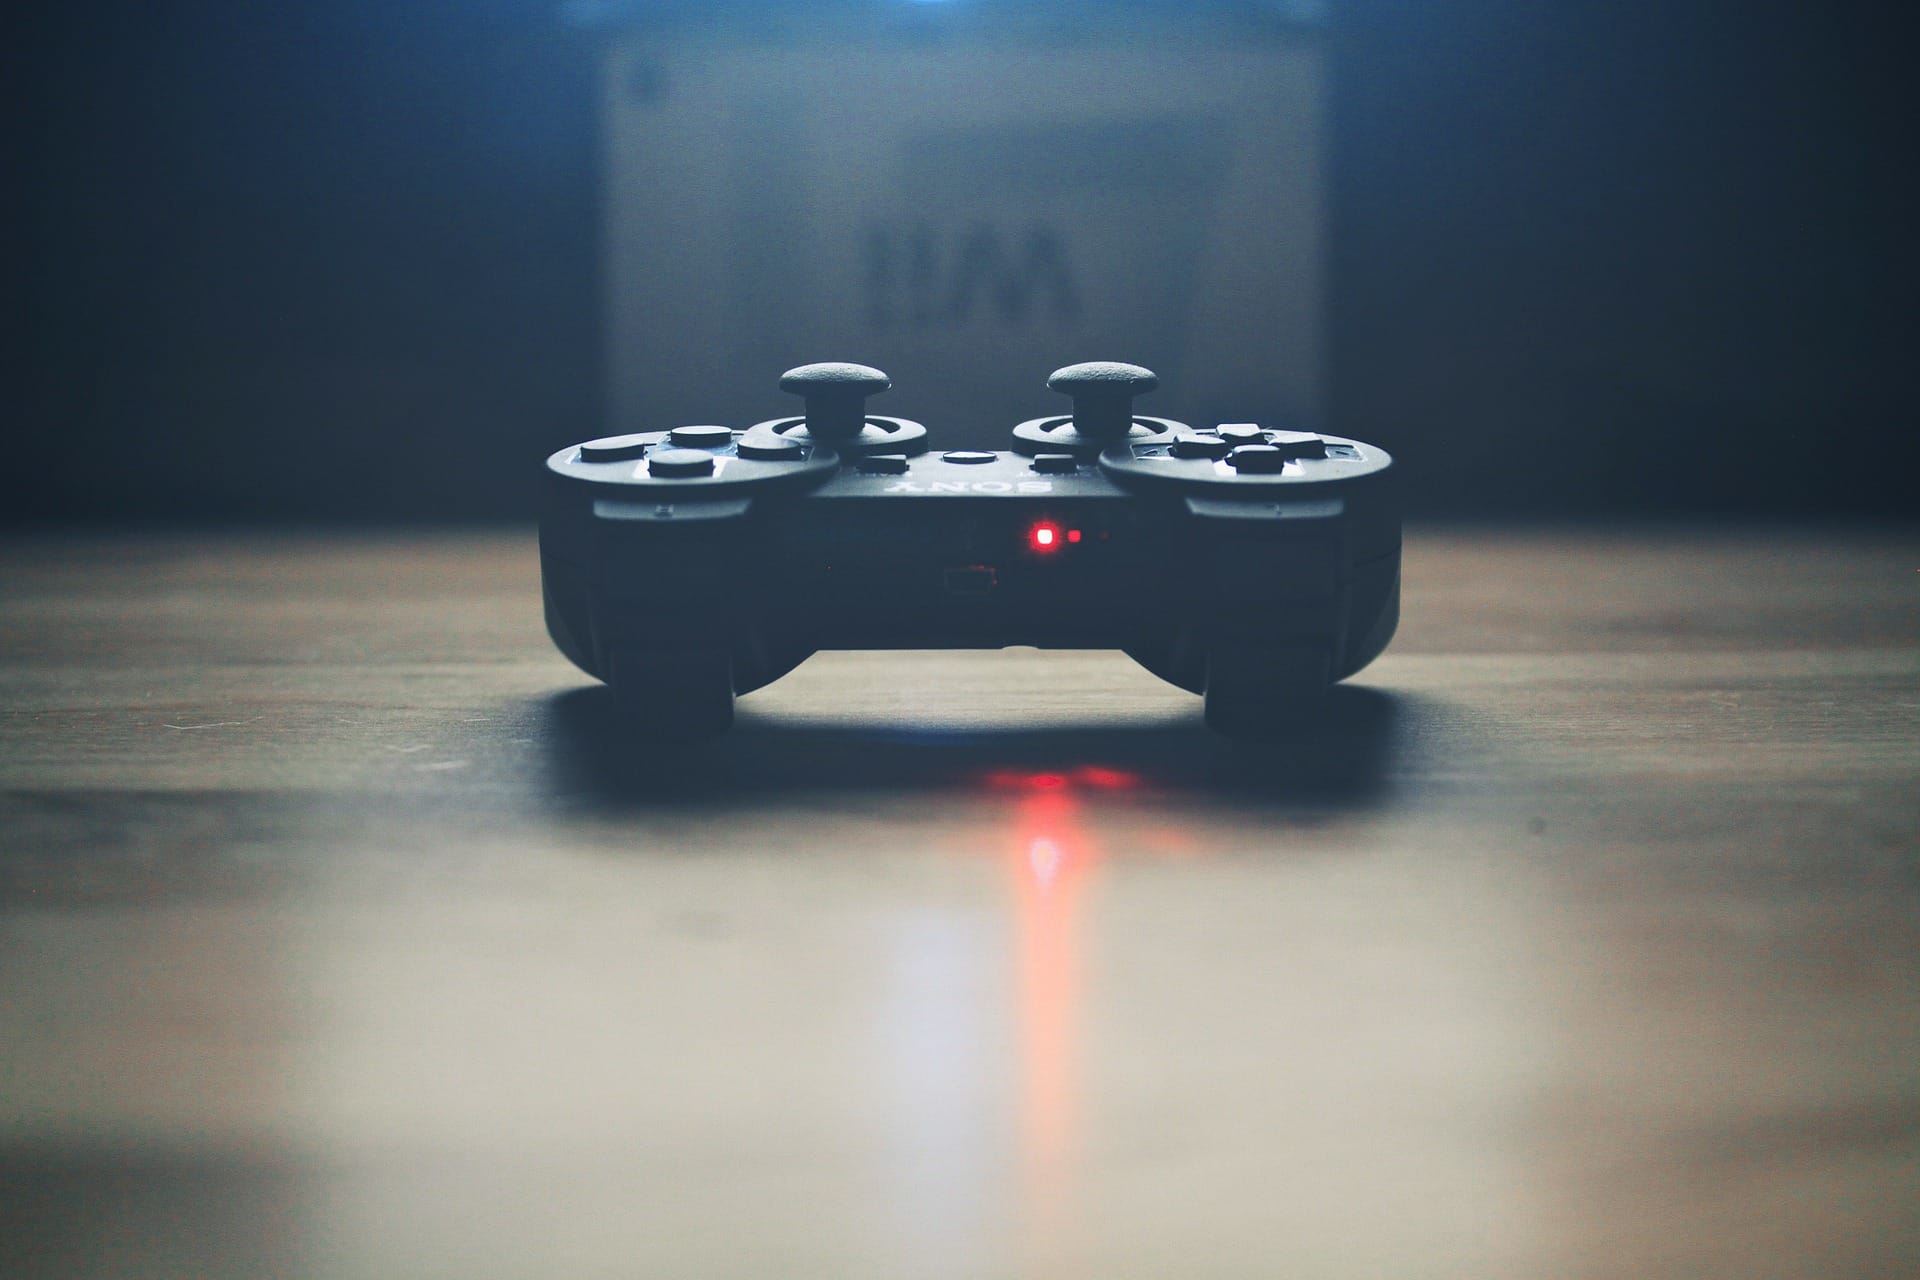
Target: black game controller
(1252, 566)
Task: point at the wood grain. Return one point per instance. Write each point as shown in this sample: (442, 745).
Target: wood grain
(341, 935)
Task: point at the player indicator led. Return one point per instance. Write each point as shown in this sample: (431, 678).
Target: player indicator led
(1045, 537)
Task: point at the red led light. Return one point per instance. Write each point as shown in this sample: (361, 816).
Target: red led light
(1073, 535)
(1045, 537)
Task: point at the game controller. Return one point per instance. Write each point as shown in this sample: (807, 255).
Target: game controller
(1251, 565)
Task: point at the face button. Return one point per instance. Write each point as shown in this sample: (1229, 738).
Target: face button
(1200, 447)
(1055, 464)
(882, 464)
(701, 437)
(1241, 432)
(1300, 444)
(771, 448)
(1257, 459)
(613, 448)
(680, 462)
(966, 457)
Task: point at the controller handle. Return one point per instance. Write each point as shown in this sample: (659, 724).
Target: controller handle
(1103, 392)
(836, 398)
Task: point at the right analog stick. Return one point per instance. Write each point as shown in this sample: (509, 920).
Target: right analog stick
(1103, 392)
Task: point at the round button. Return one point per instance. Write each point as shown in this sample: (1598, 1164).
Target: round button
(680, 462)
(1257, 459)
(966, 457)
(701, 437)
(771, 448)
(613, 448)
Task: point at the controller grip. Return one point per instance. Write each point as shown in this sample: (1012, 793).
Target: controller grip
(673, 665)
(1259, 671)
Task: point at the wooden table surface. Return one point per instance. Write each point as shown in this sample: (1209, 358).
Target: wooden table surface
(338, 937)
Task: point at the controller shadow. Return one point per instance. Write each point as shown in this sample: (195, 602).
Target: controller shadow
(1351, 755)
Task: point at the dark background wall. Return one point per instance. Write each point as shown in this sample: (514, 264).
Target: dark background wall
(339, 260)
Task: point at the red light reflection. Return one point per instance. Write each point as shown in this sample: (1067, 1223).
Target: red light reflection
(1084, 777)
(1051, 856)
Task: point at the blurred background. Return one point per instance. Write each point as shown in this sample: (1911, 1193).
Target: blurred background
(370, 261)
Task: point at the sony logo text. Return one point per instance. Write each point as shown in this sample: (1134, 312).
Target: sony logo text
(976, 486)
